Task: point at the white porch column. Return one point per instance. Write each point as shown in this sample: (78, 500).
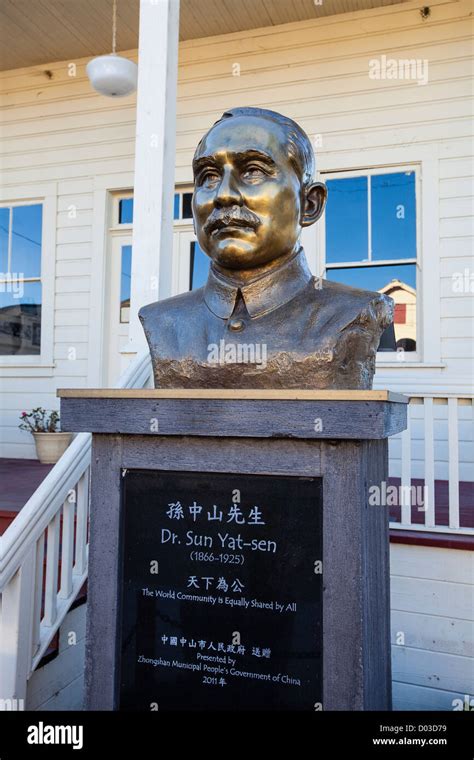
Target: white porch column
(154, 159)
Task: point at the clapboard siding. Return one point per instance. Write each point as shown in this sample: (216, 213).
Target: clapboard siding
(434, 597)
(421, 667)
(456, 307)
(58, 130)
(410, 697)
(420, 631)
(432, 592)
(432, 563)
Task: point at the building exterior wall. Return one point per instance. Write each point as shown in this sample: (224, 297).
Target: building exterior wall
(432, 603)
(61, 141)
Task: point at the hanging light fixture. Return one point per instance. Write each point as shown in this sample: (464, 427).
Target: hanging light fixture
(112, 75)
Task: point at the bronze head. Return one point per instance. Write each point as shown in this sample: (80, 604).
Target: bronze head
(254, 188)
(253, 194)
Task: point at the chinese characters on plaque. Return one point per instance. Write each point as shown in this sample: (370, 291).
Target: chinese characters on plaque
(221, 592)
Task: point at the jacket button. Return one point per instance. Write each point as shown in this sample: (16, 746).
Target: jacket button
(236, 325)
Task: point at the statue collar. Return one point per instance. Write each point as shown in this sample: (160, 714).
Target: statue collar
(267, 293)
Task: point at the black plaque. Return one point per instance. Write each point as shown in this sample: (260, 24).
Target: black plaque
(221, 592)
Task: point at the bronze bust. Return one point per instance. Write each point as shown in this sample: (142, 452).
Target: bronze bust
(262, 320)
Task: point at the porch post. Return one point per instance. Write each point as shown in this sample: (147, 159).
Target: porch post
(154, 159)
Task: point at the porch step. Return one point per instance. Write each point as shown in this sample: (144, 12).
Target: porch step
(20, 478)
(53, 649)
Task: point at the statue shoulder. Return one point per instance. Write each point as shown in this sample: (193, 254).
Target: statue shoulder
(170, 308)
(165, 321)
(364, 306)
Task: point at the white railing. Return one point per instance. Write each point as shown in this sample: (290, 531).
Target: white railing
(439, 430)
(43, 557)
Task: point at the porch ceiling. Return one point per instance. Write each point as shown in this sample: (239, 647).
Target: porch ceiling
(45, 31)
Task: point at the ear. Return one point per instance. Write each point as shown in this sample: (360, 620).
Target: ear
(314, 201)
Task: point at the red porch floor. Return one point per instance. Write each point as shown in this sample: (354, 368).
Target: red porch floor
(19, 479)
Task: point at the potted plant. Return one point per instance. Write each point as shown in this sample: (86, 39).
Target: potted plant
(49, 441)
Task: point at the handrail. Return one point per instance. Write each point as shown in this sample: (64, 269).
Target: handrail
(38, 582)
(33, 519)
(53, 490)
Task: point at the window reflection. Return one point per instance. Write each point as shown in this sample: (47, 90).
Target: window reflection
(199, 268)
(20, 318)
(347, 220)
(126, 211)
(405, 313)
(4, 226)
(183, 206)
(21, 229)
(187, 206)
(370, 219)
(26, 241)
(125, 283)
(397, 281)
(393, 216)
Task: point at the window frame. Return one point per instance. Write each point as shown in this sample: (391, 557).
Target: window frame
(122, 243)
(181, 190)
(179, 225)
(409, 356)
(126, 194)
(116, 197)
(107, 190)
(384, 160)
(118, 235)
(43, 363)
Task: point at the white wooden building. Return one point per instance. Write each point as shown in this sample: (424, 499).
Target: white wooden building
(384, 91)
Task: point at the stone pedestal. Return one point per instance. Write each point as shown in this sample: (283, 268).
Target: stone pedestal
(290, 471)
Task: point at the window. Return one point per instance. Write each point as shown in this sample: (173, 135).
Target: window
(123, 218)
(21, 229)
(125, 282)
(191, 264)
(371, 241)
(199, 268)
(125, 211)
(182, 206)
(182, 209)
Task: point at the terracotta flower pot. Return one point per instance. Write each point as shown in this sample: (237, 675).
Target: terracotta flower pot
(51, 446)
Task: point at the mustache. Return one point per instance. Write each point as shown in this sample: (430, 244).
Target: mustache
(237, 216)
